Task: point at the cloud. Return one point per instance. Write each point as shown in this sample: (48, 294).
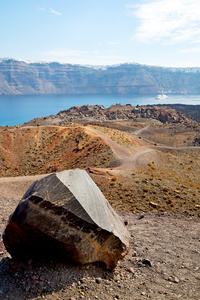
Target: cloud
(41, 9)
(55, 12)
(171, 20)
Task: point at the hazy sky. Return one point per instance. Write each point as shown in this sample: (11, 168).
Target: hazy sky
(99, 32)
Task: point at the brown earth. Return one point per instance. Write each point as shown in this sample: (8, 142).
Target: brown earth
(37, 150)
(149, 172)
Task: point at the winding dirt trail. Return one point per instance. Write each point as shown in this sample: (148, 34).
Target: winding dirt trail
(139, 154)
(139, 131)
(127, 158)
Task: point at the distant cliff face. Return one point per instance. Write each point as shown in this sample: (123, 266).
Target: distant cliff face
(19, 77)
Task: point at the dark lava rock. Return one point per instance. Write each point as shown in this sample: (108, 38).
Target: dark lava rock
(65, 215)
(146, 262)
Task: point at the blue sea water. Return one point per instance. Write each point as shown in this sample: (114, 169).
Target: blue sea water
(15, 110)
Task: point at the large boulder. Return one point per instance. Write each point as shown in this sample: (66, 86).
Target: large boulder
(65, 215)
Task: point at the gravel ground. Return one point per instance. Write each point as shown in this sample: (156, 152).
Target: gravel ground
(163, 263)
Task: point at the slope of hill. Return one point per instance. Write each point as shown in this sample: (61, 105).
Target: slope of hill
(38, 150)
(154, 187)
(190, 111)
(134, 170)
(20, 77)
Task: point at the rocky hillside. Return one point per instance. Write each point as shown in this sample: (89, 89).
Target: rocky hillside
(163, 114)
(39, 150)
(19, 77)
(190, 111)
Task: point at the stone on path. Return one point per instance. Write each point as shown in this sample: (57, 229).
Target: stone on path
(65, 215)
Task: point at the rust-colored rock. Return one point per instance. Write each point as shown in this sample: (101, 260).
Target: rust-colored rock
(65, 215)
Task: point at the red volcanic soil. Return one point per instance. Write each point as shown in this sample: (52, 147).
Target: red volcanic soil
(152, 181)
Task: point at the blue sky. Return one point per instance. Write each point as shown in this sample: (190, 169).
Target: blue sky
(153, 32)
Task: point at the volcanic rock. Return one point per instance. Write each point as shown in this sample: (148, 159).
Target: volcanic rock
(65, 215)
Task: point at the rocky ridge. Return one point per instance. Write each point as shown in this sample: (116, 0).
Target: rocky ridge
(163, 114)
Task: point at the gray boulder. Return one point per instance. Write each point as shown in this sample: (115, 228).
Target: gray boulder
(65, 215)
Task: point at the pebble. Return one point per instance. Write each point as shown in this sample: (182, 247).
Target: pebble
(143, 293)
(170, 278)
(141, 217)
(131, 270)
(146, 262)
(98, 280)
(176, 280)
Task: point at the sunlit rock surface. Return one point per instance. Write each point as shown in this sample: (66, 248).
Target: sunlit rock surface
(65, 215)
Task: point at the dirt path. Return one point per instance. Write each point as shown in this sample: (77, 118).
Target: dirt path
(139, 131)
(119, 151)
(127, 159)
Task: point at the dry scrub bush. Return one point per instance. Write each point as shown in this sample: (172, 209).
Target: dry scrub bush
(114, 178)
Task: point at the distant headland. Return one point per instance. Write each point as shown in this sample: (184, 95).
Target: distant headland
(30, 78)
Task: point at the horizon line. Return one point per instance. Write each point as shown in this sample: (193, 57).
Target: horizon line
(92, 65)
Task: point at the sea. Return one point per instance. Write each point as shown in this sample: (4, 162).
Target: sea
(18, 109)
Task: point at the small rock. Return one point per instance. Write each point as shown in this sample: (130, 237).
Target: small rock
(170, 279)
(146, 262)
(98, 280)
(141, 217)
(176, 280)
(153, 204)
(131, 270)
(116, 278)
